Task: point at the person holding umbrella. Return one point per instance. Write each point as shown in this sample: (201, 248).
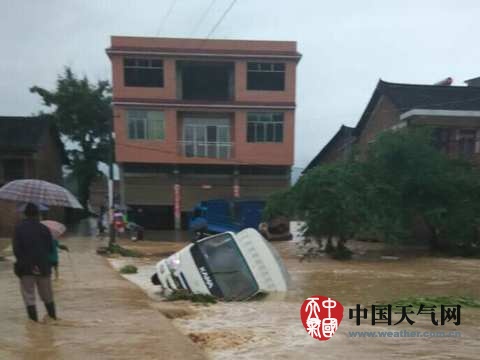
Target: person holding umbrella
(32, 244)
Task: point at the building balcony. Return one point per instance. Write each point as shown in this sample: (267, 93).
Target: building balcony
(211, 150)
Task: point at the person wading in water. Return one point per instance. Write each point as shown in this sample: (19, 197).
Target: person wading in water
(32, 243)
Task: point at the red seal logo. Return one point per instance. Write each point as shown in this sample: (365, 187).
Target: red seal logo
(321, 316)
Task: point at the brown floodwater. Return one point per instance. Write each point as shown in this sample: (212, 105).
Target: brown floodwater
(106, 317)
(271, 328)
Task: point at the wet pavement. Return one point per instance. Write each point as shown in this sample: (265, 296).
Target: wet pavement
(271, 328)
(102, 316)
(106, 317)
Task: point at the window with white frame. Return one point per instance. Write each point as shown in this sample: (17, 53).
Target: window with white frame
(143, 72)
(146, 125)
(203, 137)
(265, 76)
(265, 127)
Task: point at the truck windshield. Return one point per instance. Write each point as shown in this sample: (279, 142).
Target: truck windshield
(228, 268)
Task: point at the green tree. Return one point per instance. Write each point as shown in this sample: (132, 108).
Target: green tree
(410, 182)
(402, 181)
(83, 114)
(326, 199)
(278, 204)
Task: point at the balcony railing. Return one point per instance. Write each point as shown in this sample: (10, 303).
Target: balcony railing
(212, 150)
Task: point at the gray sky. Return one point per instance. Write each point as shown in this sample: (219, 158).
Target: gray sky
(346, 45)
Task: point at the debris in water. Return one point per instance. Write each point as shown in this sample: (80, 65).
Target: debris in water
(221, 339)
(196, 298)
(173, 311)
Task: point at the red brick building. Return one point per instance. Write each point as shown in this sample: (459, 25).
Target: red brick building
(200, 119)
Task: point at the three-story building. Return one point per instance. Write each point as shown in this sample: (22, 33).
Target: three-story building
(200, 119)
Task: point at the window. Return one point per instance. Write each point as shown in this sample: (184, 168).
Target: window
(147, 125)
(13, 169)
(209, 80)
(227, 267)
(442, 138)
(265, 127)
(466, 142)
(143, 72)
(207, 138)
(265, 76)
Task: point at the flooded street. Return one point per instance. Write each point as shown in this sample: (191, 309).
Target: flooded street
(271, 328)
(102, 316)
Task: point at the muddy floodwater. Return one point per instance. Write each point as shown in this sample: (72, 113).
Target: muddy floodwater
(271, 328)
(106, 317)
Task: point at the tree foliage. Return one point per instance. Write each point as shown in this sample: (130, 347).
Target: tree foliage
(401, 182)
(82, 112)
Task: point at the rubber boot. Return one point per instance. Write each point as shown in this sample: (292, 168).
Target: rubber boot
(51, 310)
(32, 312)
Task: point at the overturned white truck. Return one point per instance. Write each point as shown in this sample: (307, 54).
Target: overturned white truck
(228, 266)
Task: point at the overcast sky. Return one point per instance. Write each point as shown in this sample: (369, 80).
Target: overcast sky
(346, 45)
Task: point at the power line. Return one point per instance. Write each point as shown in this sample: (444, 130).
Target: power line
(203, 17)
(231, 162)
(214, 28)
(165, 17)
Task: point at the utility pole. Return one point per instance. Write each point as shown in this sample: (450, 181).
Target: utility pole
(111, 227)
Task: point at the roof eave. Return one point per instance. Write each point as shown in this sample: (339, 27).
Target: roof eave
(439, 113)
(292, 56)
(314, 162)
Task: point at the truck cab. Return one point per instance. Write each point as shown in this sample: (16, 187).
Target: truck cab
(230, 266)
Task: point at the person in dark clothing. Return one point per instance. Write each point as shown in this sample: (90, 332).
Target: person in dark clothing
(32, 244)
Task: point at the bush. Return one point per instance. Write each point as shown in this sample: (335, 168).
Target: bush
(129, 269)
(278, 204)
